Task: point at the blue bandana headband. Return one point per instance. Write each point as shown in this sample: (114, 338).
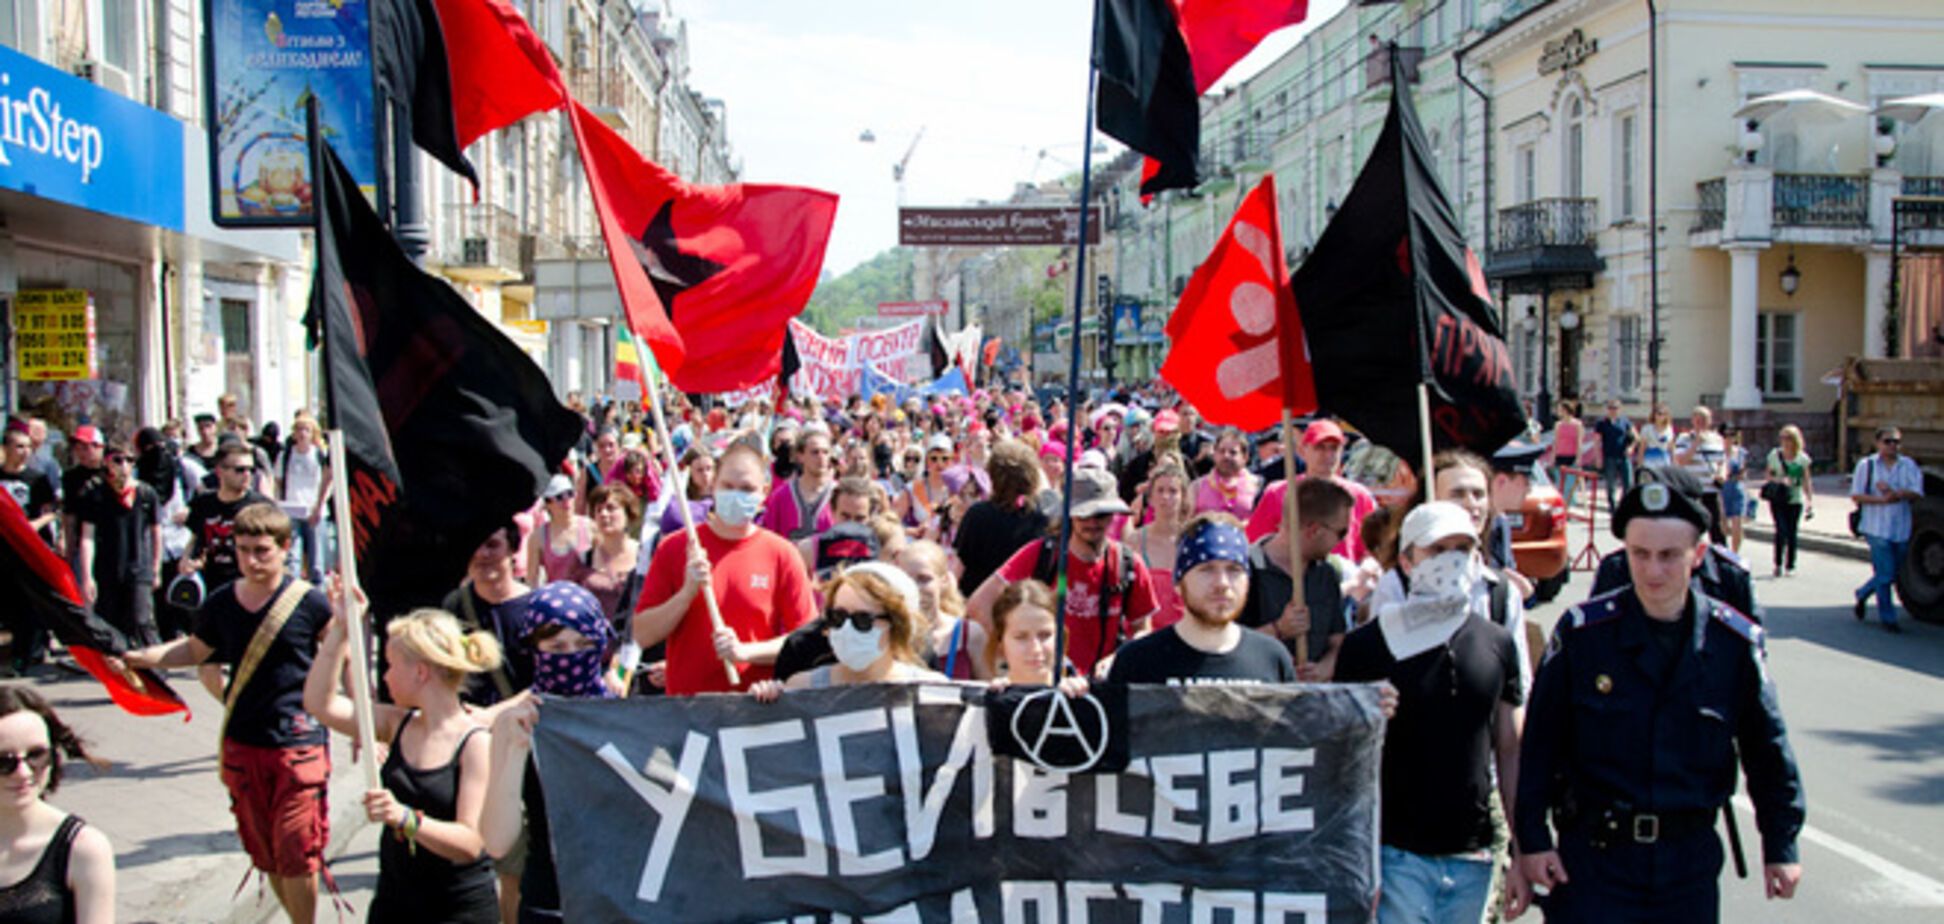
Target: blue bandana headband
(1212, 542)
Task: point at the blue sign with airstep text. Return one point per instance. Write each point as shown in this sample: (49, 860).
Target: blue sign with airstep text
(65, 139)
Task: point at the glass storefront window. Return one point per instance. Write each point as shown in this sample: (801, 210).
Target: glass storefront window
(111, 399)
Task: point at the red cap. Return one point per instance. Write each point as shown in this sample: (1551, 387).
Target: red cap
(1321, 431)
(1167, 422)
(87, 433)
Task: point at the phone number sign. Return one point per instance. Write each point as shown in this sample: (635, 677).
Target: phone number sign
(54, 335)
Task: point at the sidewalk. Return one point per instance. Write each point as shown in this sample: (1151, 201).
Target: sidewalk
(165, 810)
(1825, 525)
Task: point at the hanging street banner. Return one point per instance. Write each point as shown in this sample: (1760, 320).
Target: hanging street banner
(911, 309)
(993, 225)
(54, 335)
(899, 802)
(264, 57)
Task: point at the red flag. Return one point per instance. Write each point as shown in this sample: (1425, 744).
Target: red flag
(501, 71)
(37, 584)
(991, 352)
(710, 275)
(1221, 32)
(1237, 351)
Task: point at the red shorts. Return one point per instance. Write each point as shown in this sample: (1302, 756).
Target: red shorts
(278, 797)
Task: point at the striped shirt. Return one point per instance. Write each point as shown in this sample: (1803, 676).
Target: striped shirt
(1873, 474)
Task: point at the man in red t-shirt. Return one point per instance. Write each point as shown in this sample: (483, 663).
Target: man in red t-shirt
(1093, 561)
(759, 580)
(1321, 450)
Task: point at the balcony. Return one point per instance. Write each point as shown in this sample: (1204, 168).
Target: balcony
(1754, 204)
(1545, 245)
(488, 243)
(1923, 186)
(1819, 200)
(1713, 208)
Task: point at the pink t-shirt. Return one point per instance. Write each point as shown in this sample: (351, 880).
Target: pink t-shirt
(1087, 639)
(782, 516)
(1235, 498)
(1268, 515)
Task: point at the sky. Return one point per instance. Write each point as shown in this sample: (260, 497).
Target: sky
(999, 88)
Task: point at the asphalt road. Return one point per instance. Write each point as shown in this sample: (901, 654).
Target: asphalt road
(1865, 712)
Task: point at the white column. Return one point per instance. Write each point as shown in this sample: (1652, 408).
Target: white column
(1744, 295)
(1876, 293)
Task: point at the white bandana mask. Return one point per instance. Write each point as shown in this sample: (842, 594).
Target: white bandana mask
(1440, 596)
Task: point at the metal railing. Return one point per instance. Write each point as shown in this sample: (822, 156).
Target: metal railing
(1546, 223)
(1713, 208)
(488, 235)
(1923, 186)
(1821, 200)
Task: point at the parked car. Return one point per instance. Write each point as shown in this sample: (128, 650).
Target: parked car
(1539, 538)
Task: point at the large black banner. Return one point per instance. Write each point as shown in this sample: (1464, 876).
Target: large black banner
(887, 803)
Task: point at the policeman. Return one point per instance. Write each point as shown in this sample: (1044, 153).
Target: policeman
(1722, 574)
(1512, 468)
(1647, 698)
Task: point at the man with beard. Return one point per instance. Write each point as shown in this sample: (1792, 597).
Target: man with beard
(1458, 713)
(1206, 646)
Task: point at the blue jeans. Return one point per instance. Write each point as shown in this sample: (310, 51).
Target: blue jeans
(1886, 556)
(1616, 473)
(1419, 889)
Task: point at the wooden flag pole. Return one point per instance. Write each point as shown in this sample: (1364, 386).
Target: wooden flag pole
(354, 631)
(651, 382)
(1427, 474)
(1293, 525)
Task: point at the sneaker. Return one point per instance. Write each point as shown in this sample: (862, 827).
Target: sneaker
(1860, 604)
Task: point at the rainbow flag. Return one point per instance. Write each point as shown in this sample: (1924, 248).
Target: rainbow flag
(630, 376)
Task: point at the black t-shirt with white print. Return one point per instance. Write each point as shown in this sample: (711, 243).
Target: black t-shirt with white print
(1162, 657)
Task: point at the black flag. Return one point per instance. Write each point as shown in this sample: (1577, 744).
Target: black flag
(1391, 296)
(409, 53)
(1146, 93)
(449, 429)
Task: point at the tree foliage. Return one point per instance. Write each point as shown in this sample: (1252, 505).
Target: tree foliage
(841, 301)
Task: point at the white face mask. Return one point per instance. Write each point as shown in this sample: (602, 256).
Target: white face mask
(856, 650)
(737, 508)
(1441, 586)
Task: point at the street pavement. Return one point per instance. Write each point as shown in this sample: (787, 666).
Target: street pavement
(1865, 712)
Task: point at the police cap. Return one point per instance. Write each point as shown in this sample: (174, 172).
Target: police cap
(1519, 457)
(1660, 501)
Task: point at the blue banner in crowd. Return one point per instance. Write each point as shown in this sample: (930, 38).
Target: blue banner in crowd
(872, 381)
(65, 139)
(264, 57)
(951, 383)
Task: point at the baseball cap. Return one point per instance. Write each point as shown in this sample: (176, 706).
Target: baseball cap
(939, 443)
(558, 486)
(1320, 431)
(1430, 522)
(1167, 421)
(1095, 493)
(87, 433)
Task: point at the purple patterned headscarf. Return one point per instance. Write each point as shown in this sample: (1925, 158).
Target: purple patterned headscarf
(571, 606)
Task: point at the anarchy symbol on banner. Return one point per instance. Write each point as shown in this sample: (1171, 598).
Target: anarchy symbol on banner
(1061, 722)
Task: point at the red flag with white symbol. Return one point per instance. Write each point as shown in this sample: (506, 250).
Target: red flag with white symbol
(1237, 350)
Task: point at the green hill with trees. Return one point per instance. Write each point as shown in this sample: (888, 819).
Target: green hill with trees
(841, 301)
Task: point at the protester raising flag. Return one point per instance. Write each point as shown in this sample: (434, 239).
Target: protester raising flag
(1391, 299)
(1237, 349)
(1156, 58)
(38, 585)
(449, 428)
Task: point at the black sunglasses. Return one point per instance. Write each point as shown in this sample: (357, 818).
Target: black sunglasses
(240, 469)
(1891, 441)
(860, 621)
(37, 758)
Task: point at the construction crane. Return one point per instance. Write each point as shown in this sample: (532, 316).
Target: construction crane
(898, 169)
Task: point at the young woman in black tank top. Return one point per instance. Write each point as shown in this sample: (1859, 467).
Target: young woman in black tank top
(431, 862)
(53, 867)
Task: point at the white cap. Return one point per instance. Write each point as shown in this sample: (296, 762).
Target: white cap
(1430, 522)
(894, 576)
(939, 442)
(1092, 458)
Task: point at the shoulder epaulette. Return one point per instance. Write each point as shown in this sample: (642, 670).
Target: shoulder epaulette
(1596, 610)
(1736, 622)
(1728, 557)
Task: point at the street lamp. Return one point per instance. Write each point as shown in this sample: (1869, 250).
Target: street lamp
(1791, 278)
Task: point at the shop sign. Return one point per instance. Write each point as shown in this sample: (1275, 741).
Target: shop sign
(530, 328)
(54, 335)
(1567, 52)
(910, 309)
(264, 57)
(65, 139)
(993, 225)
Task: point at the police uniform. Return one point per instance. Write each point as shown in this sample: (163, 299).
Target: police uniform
(1518, 457)
(1723, 575)
(1633, 734)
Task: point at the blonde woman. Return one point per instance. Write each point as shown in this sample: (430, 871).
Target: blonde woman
(1168, 500)
(1656, 446)
(950, 643)
(871, 616)
(432, 864)
(1788, 468)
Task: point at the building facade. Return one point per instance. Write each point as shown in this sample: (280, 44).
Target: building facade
(124, 304)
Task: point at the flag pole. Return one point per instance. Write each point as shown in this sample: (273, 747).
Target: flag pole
(1424, 436)
(1292, 524)
(1073, 359)
(354, 630)
(651, 383)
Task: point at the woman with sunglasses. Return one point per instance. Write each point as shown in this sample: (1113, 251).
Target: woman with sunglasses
(57, 869)
(918, 505)
(563, 536)
(871, 617)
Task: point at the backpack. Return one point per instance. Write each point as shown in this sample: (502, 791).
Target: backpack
(1121, 585)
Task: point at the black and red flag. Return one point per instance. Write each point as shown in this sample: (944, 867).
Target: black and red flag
(37, 584)
(1391, 297)
(449, 428)
(1157, 57)
(408, 50)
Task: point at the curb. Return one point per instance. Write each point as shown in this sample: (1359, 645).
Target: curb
(1815, 542)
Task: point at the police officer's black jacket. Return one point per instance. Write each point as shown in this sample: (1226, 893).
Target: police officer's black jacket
(1603, 730)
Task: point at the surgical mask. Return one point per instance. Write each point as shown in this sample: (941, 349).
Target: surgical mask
(737, 508)
(854, 649)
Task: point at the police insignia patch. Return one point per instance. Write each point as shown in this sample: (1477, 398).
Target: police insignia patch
(1653, 496)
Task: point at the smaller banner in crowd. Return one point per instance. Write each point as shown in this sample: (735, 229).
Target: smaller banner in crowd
(1229, 802)
(833, 366)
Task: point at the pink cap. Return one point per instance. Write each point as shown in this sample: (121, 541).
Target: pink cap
(1167, 422)
(1053, 448)
(87, 433)
(1322, 431)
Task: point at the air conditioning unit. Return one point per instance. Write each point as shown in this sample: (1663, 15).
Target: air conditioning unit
(107, 76)
(476, 251)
